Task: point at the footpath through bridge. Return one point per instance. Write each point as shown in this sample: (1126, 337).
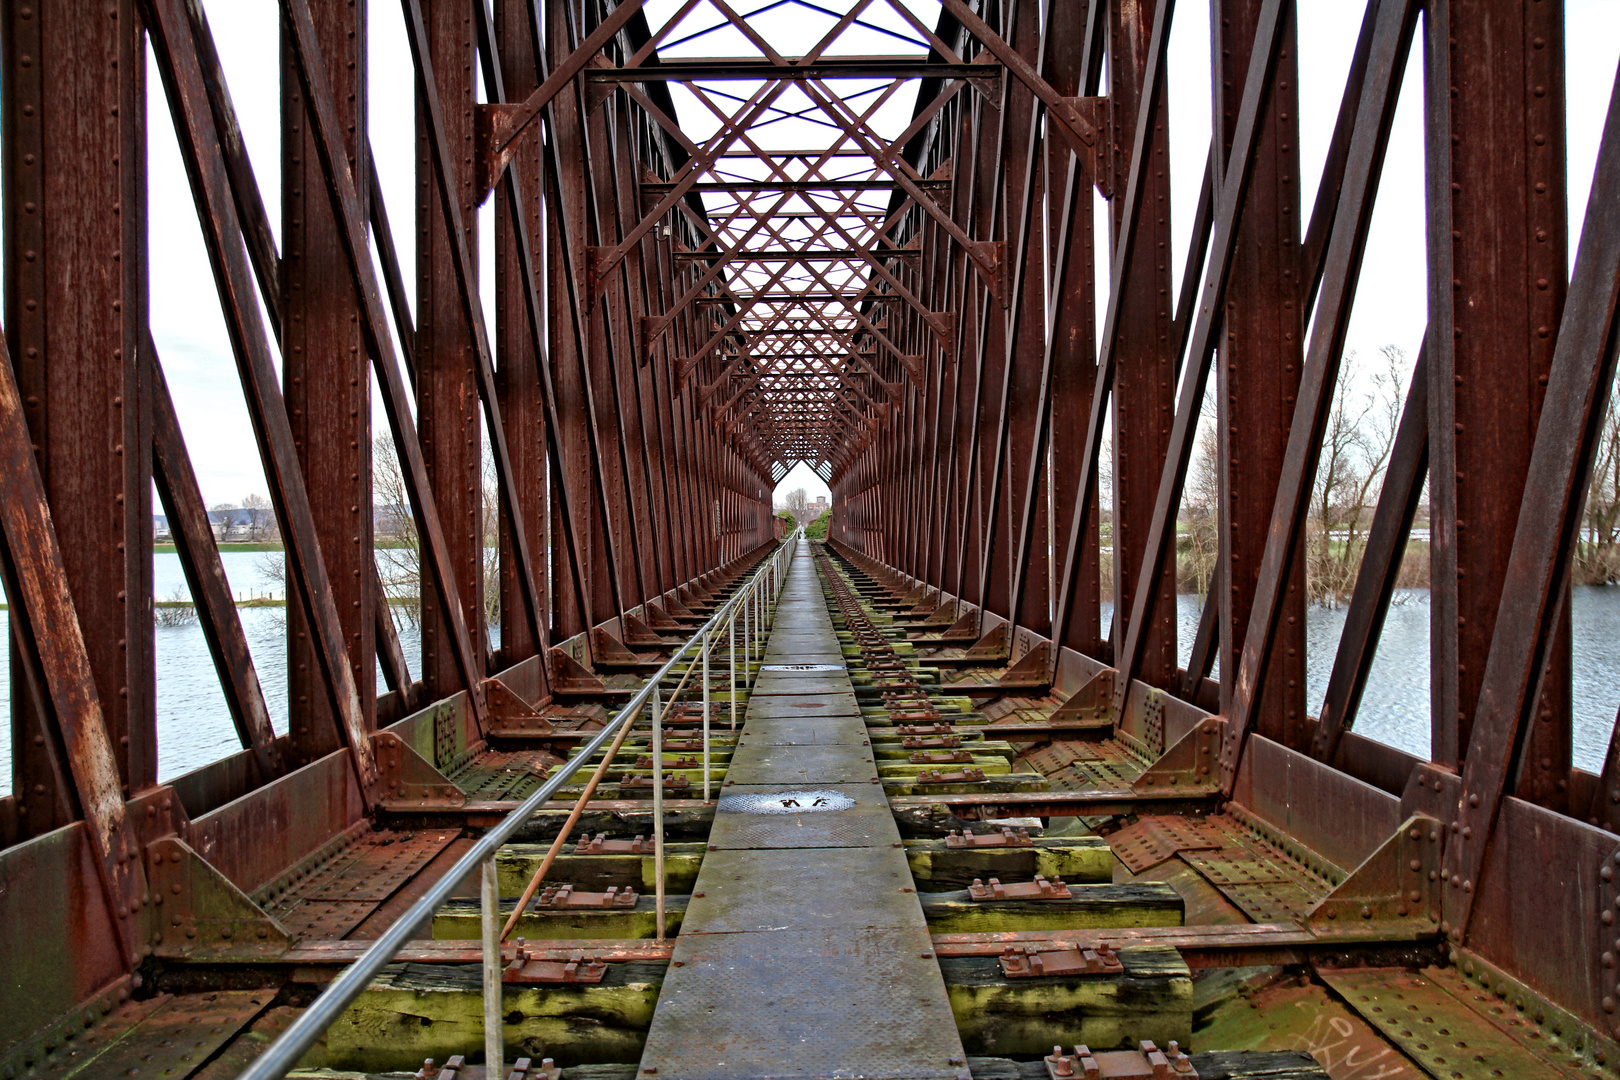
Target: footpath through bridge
(804, 951)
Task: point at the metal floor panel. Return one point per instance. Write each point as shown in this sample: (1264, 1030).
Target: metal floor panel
(790, 889)
(868, 823)
(819, 763)
(827, 1004)
(802, 730)
(798, 706)
(801, 682)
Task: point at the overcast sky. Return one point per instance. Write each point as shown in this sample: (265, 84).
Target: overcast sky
(190, 332)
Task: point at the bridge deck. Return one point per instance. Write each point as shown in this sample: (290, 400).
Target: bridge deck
(804, 951)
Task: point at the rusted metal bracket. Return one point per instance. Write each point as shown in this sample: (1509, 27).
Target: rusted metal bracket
(559, 897)
(1146, 1063)
(523, 1070)
(941, 757)
(647, 782)
(1001, 838)
(1031, 963)
(645, 761)
(197, 912)
(405, 779)
(510, 714)
(1401, 883)
(926, 729)
(1090, 706)
(489, 122)
(1189, 765)
(600, 845)
(522, 968)
(1039, 889)
(992, 646)
(960, 776)
(568, 674)
(941, 742)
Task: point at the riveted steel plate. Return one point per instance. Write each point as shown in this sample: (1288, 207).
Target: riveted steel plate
(828, 1005)
(175, 1039)
(324, 920)
(388, 861)
(802, 730)
(1442, 1034)
(802, 889)
(868, 823)
(1152, 840)
(1236, 866)
(822, 763)
(840, 703)
(1273, 901)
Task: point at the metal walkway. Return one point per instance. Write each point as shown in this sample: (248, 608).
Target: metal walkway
(804, 951)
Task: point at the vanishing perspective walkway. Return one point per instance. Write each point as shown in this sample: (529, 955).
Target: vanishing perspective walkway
(804, 951)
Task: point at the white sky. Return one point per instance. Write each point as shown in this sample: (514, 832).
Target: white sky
(190, 332)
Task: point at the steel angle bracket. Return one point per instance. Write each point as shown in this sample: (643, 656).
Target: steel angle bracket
(1188, 767)
(1090, 706)
(510, 714)
(408, 781)
(490, 123)
(1399, 885)
(196, 912)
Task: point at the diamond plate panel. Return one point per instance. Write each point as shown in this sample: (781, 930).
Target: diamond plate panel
(828, 1005)
(802, 889)
(868, 824)
(1152, 840)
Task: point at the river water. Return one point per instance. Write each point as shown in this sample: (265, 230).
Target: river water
(194, 726)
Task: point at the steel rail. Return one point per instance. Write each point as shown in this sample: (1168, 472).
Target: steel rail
(285, 1053)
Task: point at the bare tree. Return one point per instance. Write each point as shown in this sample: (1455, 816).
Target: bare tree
(1597, 552)
(398, 548)
(1200, 514)
(1350, 473)
(261, 519)
(226, 522)
(797, 503)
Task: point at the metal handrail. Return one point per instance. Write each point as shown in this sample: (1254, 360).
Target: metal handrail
(284, 1054)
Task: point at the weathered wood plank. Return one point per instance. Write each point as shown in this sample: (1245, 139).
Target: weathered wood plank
(1076, 859)
(1092, 906)
(458, 920)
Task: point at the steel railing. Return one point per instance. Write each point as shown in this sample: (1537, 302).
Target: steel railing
(750, 605)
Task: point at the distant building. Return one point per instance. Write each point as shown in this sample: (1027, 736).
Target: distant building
(818, 507)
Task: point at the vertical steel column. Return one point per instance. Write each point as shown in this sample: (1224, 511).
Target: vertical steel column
(517, 376)
(1498, 253)
(75, 313)
(1145, 384)
(446, 385)
(326, 377)
(1259, 360)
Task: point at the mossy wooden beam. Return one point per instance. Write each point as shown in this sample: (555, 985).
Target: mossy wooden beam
(417, 1011)
(516, 863)
(1091, 907)
(619, 820)
(888, 747)
(990, 784)
(902, 768)
(1151, 999)
(1076, 859)
(458, 920)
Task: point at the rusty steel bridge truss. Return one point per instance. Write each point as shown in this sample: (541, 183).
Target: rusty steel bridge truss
(687, 305)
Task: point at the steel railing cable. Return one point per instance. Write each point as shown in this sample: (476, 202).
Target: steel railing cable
(284, 1053)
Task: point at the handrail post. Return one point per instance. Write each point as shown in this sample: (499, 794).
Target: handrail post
(731, 630)
(705, 647)
(658, 807)
(489, 895)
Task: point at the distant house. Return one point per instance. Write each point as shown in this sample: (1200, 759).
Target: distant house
(818, 507)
